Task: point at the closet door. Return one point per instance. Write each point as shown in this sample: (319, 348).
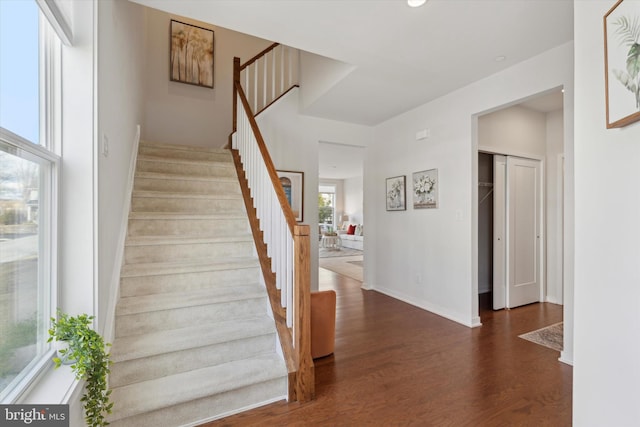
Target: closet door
(523, 231)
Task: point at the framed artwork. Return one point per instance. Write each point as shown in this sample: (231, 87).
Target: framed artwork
(191, 54)
(622, 63)
(293, 186)
(396, 193)
(425, 189)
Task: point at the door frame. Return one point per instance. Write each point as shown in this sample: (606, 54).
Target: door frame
(541, 213)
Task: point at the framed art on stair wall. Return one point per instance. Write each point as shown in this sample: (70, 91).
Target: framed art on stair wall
(191, 54)
(293, 186)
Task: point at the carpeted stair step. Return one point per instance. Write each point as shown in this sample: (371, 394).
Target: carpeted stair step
(210, 168)
(151, 181)
(152, 313)
(193, 338)
(184, 224)
(153, 201)
(153, 249)
(145, 357)
(173, 151)
(155, 278)
(202, 394)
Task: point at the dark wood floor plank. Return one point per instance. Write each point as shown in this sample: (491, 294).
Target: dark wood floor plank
(398, 365)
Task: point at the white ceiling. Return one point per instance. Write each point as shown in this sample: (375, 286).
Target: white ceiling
(337, 161)
(402, 57)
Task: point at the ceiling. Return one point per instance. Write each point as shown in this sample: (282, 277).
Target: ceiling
(401, 57)
(337, 161)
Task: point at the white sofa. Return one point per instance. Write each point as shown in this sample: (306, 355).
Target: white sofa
(353, 241)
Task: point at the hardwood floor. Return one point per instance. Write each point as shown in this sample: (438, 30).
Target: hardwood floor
(397, 365)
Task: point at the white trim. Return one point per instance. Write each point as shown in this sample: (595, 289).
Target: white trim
(57, 20)
(432, 308)
(564, 359)
(109, 328)
(49, 164)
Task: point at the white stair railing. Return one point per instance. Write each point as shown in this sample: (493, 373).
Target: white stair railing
(269, 75)
(273, 223)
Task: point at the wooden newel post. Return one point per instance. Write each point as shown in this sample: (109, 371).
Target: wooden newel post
(305, 379)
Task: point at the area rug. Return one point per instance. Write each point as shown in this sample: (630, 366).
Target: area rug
(358, 263)
(551, 336)
(344, 265)
(329, 253)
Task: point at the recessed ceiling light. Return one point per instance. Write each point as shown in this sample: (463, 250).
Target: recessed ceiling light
(416, 3)
(500, 58)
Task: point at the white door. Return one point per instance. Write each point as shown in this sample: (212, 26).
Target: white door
(499, 232)
(523, 231)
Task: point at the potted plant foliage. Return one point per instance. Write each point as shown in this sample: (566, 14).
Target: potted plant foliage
(86, 352)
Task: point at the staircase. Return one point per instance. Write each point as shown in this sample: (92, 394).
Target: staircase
(193, 337)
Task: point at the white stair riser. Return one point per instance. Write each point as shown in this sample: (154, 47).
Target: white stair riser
(187, 227)
(185, 252)
(154, 321)
(211, 169)
(183, 282)
(187, 186)
(187, 205)
(137, 370)
(161, 152)
(212, 407)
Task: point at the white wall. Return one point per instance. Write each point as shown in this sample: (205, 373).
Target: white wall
(607, 231)
(121, 74)
(515, 131)
(353, 199)
(292, 140)
(77, 240)
(428, 257)
(178, 113)
(318, 74)
(554, 205)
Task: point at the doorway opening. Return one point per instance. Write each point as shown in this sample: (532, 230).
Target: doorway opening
(341, 209)
(524, 135)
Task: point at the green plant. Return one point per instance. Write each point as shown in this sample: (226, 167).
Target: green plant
(628, 31)
(88, 350)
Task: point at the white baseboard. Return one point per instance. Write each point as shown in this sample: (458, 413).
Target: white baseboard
(432, 308)
(564, 359)
(109, 327)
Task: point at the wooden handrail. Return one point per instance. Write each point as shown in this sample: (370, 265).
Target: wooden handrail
(258, 56)
(273, 174)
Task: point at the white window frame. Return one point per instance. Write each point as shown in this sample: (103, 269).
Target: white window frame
(48, 156)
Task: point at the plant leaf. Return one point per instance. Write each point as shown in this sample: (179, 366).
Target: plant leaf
(627, 31)
(633, 60)
(625, 80)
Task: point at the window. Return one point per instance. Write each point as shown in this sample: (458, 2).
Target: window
(28, 193)
(326, 208)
